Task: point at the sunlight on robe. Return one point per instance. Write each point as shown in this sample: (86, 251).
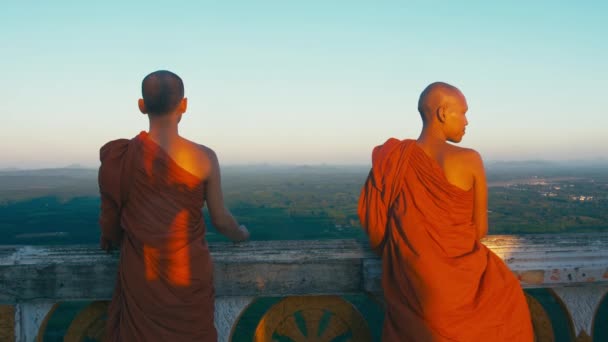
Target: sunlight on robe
(178, 265)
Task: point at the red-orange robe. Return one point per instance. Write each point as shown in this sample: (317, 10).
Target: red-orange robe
(152, 207)
(440, 283)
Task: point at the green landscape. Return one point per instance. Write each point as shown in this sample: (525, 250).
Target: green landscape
(61, 206)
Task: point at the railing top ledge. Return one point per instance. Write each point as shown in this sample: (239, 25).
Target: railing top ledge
(275, 268)
(286, 251)
(507, 246)
(586, 246)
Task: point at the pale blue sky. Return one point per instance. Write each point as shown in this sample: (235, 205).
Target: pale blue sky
(303, 82)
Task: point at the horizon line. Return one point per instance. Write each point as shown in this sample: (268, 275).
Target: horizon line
(595, 162)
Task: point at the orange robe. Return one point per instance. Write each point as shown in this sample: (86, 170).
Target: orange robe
(153, 208)
(439, 282)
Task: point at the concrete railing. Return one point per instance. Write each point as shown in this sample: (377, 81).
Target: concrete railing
(311, 275)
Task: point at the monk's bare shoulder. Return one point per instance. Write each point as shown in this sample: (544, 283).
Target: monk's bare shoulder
(207, 153)
(462, 165)
(208, 159)
(463, 153)
(194, 158)
(471, 160)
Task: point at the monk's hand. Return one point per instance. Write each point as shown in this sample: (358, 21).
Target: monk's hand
(105, 244)
(243, 234)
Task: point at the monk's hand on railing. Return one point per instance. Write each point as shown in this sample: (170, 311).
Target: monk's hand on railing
(106, 244)
(243, 234)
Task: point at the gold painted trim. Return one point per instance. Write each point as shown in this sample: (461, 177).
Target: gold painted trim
(7, 323)
(88, 323)
(45, 322)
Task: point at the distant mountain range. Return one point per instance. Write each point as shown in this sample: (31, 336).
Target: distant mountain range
(494, 164)
(65, 171)
(547, 163)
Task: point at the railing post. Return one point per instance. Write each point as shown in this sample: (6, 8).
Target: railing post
(582, 303)
(228, 310)
(29, 318)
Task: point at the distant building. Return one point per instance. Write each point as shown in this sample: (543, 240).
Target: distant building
(581, 198)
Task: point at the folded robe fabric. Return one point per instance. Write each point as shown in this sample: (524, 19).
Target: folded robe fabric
(440, 283)
(152, 208)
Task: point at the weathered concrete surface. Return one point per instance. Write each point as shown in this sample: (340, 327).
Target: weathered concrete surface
(251, 269)
(554, 260)
(582, 303)
(28, 319)
(55, 273)
(228, 310)
(277, 268)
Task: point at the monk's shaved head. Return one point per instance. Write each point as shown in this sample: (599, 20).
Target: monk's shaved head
(434, 96)
(162, 92)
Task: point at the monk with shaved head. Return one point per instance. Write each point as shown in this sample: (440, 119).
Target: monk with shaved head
(424, 208)
(153, 188)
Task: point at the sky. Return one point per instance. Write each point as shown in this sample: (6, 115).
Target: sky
(303, 82)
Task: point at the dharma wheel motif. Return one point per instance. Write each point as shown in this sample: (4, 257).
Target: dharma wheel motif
(541, 322)
(312, 318)
(89, 324)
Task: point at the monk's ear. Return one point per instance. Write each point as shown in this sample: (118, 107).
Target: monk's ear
(142, 106)
(441, 114)
(183, 105)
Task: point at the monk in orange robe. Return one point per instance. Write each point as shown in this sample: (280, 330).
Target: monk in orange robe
(424, 208)
(153, 188)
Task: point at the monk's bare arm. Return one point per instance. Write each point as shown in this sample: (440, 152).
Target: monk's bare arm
(480, 204)
(221, 218)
